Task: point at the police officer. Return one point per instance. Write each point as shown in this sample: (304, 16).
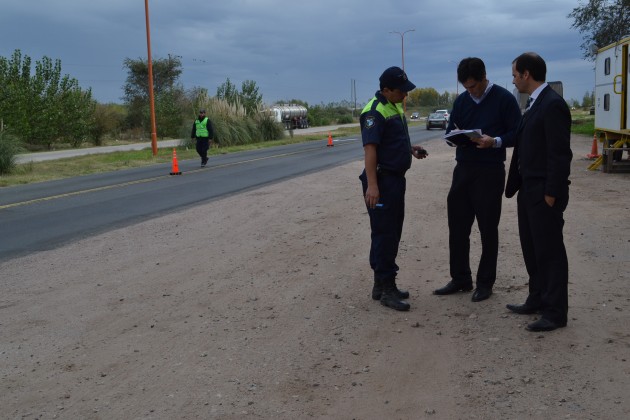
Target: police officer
(388, 152)
(202, 131)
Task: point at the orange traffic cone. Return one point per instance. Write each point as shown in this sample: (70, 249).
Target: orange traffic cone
(175, 170)
(330, 141)
(593, 154)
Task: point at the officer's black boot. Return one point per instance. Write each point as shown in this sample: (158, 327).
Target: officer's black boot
(377, 290)
(389, 296)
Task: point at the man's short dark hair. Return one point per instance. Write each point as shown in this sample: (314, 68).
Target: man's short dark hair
(533, 63)
(471, 68)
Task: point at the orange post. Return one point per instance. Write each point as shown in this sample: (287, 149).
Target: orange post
(175, 170)
(330, 141)
(593, 154)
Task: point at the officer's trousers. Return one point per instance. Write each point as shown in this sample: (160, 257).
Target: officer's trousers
(386, 223)
(202, 145)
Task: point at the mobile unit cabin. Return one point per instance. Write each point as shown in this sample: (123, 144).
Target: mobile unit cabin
(612, 99)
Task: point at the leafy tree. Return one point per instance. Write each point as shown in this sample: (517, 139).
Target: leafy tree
(43, 107)
(228, 92)
(108, 119)
(601, 22)
(250, 98)
(167, 93)
(424, 97)
(588, 100)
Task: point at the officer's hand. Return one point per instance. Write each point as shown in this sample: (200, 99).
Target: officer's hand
(418, 152)
(372, 196)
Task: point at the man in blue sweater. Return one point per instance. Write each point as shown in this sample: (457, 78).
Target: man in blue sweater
(479, 177)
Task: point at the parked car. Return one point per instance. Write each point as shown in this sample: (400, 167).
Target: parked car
(415, 116)
(436, 119)
(443, 112)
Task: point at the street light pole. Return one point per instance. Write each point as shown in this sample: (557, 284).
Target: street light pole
(402, 50)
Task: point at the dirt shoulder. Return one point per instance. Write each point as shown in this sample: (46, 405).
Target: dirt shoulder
(261, 309)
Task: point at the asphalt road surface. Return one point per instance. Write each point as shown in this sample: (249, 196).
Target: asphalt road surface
(45, 215)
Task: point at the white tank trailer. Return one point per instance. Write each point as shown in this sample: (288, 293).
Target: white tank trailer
(292, 116)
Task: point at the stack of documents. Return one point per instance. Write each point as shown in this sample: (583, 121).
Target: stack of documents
(462, 138)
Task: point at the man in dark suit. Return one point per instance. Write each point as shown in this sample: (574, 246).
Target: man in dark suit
(539, 171)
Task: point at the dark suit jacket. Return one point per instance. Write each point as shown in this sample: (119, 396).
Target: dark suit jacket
(542, 153)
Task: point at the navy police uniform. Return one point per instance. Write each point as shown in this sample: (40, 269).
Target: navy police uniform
(384, 124)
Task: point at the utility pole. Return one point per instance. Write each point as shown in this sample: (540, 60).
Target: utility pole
(151, 98)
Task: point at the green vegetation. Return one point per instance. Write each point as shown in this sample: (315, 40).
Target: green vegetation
(42, 107)
(582, 122)
(9, 148)
(601, 22)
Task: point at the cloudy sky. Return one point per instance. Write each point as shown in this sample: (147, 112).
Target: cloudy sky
(308, 50)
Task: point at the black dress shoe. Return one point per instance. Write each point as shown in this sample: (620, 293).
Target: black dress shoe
(544, 325)
(481, 293)
(523, 309)
(452, 287)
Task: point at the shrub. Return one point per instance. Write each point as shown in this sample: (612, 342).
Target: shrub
(345, 119)
(10, 146)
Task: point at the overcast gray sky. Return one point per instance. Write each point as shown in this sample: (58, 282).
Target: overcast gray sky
(309, 50)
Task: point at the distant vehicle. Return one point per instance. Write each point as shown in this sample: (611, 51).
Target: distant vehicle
(436, 119)
(292, 116)
(415, 116)
(443, 112)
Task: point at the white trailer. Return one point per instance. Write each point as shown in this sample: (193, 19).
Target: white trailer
(612, 102)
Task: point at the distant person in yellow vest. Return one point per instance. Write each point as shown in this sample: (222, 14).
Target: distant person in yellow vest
(202, 131)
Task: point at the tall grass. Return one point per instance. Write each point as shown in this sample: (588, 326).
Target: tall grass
(233, 126)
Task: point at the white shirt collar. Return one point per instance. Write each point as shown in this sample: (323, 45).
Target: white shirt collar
(485, 93)
(535, 93)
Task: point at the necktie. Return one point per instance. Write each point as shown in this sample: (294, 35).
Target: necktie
(529, 103)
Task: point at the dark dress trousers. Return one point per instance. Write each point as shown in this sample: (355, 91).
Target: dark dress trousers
(540, 166)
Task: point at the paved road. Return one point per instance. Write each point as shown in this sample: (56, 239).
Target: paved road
(45, 215)
(59, 154)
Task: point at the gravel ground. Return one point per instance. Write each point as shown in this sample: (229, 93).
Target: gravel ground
(261, 309)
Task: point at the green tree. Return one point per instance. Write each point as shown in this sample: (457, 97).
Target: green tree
(167, 94)
(601, 22)
(108, 119)
(229, 93)
(588, 100)
(43, 107)
(250, 98)
(424, 97)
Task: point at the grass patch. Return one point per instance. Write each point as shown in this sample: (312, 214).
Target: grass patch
(582, 123)
(98, 163)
